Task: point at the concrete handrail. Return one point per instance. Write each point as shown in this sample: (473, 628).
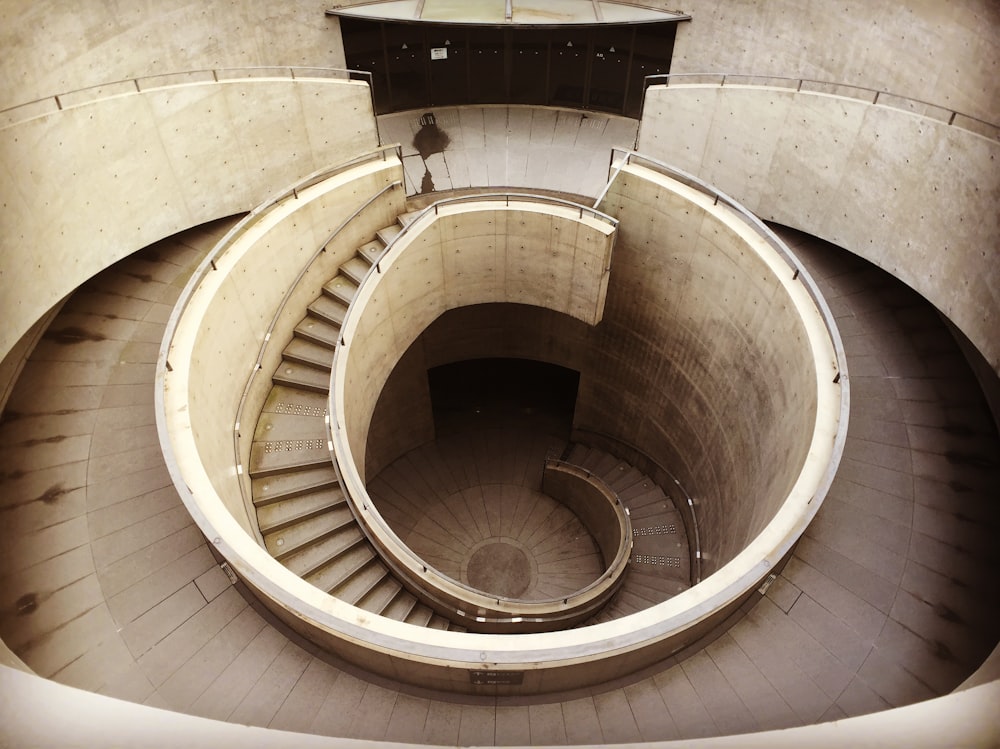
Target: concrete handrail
(810, 85)
(460, 602)
(601, 511)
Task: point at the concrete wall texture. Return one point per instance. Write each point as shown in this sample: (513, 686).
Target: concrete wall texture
(109, 153)
(915, 196)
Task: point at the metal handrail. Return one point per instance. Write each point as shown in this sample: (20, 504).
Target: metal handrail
(874, 96)
(484, 610)
(208, 265)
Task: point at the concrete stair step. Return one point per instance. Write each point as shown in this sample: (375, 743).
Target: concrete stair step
(405, 219)
(281, 486)
(309, 560)
(371, 251)
(341, 289)
(400, 606)
(339, 569)
(577, 454)
(285, 542)
(362, 580)
(318, 329)
(420, 615)
(355, 269)
(389, 233)
(293, 400)
(380, 595)
(439, 622)
(329, 309)
(282, 456)
(623, 476)
(278, 426)
(293, 374)
(304, 351)
(292, 510)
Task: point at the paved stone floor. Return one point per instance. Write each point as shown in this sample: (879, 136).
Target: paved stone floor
(106, 584)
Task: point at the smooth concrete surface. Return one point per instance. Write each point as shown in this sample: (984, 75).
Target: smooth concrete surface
(93, 182)
(890, 599)
(543, 148)
(912, 194)
(50, 50)
(945, 53)
(549, 255)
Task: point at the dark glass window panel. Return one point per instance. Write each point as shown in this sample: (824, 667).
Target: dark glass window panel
(450, 74)
(529, 66)
(487, 84)
(568, 67)
(407, 56)
(654, 46)
(363, 50)
(609, 63)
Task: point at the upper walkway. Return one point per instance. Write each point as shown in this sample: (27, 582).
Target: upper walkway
(890, 597)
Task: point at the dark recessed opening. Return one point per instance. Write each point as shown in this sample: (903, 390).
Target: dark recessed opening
(503, 392)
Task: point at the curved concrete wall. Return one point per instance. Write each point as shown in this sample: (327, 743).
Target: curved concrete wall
(913, 195)
(87, 185)
(946, 53)
(51, 47)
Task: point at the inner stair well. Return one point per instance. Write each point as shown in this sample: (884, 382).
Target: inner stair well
(302, 513)
(660, 565)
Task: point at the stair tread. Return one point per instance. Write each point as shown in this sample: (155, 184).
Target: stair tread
(309, 559)
(329, 309)
(319, 330)
(281, 485)
(419, 615)
(278, 515)
(309, 352)
(400, 606)
(371, 251)
(302, 376)
(282, 456)
(341, 288)
(355, 269)
(274, 426)
(363, 579)
(291, 400)
(388, 233)
(380, 596)
(340, 569)
(284, 542)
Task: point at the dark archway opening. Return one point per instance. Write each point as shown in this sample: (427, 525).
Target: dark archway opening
(488, 393)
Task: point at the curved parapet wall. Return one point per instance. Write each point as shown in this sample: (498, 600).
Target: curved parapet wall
(463, 252)
(913, 192)
(93, 176)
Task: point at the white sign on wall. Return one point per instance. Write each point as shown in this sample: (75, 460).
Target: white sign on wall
(439, 53)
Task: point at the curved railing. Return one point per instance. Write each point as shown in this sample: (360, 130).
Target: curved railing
(799, 273)
(811, 86)
(598, 507)
(459, 602)
(48, 104)
(661, 477)
(241, 228)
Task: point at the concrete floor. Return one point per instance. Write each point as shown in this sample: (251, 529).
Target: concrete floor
(890, 597)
